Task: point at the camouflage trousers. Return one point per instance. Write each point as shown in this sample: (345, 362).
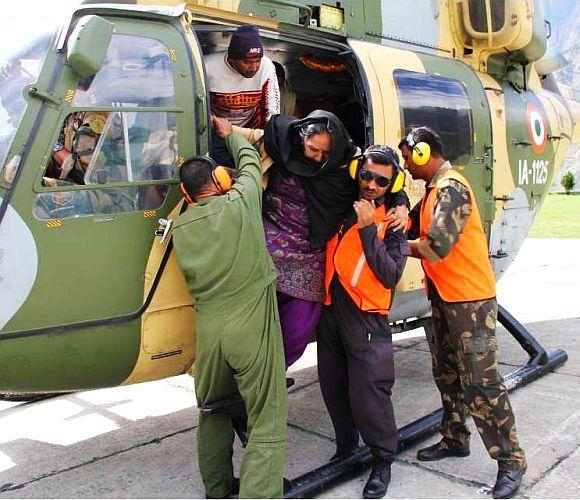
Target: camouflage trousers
(465, 366)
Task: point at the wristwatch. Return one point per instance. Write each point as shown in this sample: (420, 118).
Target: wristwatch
(58, 146)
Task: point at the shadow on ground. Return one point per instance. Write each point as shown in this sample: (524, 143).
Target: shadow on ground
(126, 444)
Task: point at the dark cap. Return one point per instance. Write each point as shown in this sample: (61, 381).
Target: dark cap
(246, 44)
(385, 152)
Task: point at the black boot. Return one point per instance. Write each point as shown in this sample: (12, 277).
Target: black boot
(437, 452)
(342, 453)
(235, 486)
(379, 479)
(234, 491)
(507, 483)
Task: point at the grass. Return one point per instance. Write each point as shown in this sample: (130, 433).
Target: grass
(559, 217)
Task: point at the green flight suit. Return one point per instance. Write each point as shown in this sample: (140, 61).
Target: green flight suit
(220, 247)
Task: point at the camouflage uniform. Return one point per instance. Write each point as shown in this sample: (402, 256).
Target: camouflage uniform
(451, 211)
(463, 344)
(465, 367)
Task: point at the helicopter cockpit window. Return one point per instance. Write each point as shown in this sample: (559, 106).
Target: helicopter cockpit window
(440, 103)
(136, 72)
(137, 151)
(20, 63)
(127, 157)
(133, 147)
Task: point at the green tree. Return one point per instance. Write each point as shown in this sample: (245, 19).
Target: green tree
(568, 182)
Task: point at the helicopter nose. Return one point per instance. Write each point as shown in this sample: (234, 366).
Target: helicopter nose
(18, 264)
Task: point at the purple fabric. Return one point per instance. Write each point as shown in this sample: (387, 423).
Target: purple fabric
(298, 319)
(286, 225)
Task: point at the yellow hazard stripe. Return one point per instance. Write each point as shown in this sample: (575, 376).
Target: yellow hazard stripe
(53, 223)
(149, 213)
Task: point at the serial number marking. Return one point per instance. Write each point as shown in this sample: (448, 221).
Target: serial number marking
(537, 173)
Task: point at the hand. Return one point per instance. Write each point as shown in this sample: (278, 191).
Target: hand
(414, 251)
(61, 155)
(222, 126)
(399, 216)
(365, 212)
(423, 248)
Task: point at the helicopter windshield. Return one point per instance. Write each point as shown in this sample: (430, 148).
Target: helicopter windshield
(24, 43)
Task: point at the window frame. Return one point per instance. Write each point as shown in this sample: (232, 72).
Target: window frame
(125, 28)
(40, 188)
(440, 79)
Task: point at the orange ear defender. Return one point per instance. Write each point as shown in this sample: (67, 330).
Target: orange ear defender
(222, 178)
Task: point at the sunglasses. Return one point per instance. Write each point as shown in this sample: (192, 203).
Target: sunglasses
(367, 175)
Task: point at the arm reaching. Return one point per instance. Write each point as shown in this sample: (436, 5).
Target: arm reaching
(222, 126)
(249, 168)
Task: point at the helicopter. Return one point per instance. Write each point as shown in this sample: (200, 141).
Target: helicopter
(90, 292)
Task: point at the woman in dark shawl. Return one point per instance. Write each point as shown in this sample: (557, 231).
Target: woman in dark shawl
(309, 192)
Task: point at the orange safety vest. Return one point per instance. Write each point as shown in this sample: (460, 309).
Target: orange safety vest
(346, 257)
(465, 274)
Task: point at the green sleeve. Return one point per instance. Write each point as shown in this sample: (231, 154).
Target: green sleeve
(248, 164)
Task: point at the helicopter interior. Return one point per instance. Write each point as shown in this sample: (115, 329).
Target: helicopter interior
(321, 77)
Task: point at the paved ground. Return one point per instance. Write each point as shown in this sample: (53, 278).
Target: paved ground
(138, 442)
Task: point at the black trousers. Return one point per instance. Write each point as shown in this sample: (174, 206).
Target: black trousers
(356, 372)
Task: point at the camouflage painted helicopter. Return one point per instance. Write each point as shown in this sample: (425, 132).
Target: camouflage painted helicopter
(90, 293)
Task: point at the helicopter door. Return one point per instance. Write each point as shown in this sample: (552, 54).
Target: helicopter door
(108, 150)
(171, 307)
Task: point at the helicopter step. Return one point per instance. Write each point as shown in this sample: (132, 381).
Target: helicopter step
(539, 364)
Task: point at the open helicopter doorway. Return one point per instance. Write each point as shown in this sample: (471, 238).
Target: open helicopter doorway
(315, 75)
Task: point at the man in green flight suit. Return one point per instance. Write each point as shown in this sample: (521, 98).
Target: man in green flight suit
(220, 248)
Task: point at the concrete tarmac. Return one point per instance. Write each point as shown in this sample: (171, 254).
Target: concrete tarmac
(139, 441)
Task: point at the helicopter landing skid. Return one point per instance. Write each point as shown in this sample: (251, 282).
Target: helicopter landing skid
(539, 364)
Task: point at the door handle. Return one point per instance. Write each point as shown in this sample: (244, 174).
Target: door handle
(201, 114)
(163, 229)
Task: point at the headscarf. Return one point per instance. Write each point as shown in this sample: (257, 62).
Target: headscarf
(330, 191)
